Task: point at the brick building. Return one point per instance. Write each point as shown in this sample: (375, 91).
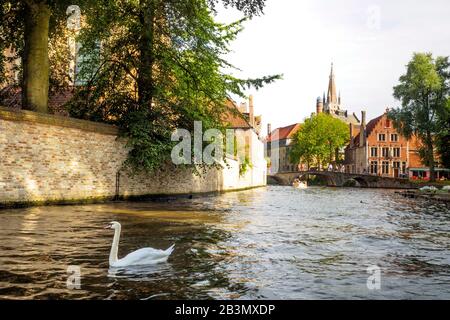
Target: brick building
(378, 149)
(280, 141)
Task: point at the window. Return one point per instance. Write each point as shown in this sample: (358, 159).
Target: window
(374, 167)
(388, 123)
(385, 167)
(394, 137)
(374, 152)
(381, 137)
(396, 152)
(404, 167)
(385, 152)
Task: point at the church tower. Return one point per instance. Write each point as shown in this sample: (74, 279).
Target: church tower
(333, 101)
(332, 88)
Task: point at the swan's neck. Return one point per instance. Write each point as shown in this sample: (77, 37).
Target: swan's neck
(115, 246)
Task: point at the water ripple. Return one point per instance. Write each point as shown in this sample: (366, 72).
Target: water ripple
(271, 243)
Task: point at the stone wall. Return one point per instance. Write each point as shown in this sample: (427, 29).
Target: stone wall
(46, 159)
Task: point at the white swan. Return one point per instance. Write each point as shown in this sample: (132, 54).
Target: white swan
(144, 256)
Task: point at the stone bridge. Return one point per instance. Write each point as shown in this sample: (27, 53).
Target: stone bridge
(339, 179)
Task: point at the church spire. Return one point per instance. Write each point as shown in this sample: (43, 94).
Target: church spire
(332, 97)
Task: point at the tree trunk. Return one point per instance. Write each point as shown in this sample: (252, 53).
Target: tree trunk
(336, 155)
(35, 58)
(145, 71)
(430, 152)
(331, 154)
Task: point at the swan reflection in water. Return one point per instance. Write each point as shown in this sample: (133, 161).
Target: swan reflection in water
(140, 273)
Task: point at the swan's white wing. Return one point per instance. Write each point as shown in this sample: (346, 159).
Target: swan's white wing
(145, 253)
(144, 256)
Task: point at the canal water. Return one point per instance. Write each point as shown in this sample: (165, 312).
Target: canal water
(269, 243)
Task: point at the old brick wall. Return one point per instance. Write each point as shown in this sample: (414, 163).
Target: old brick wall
(48, 158)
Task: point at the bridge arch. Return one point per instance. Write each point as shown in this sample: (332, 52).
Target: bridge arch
(361, 182)
(328, 178)
(276, 180)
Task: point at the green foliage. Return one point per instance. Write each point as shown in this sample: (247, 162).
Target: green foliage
(318, 139)
(160, 67)
(149, 140)
(14, 15)
(244, 166)
(424, 93)
(249, 7)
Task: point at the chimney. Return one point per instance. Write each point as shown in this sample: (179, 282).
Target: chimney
(269, 129)
(251, 111)
(351, 135)
(362, 133)
(243, 107)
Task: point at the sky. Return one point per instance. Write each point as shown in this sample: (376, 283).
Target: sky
(369, 42)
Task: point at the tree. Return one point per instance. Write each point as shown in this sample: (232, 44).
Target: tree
(318, 139)
(152, 66)
(35, 56)
(423, 92)
(26, 29)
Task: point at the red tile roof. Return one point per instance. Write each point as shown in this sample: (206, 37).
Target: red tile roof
(11, 97)
(284, 133)
(372, 124)
(234, 118)
(369, 128)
